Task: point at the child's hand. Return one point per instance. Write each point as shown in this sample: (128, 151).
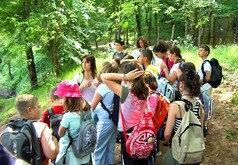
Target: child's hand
(134, 74)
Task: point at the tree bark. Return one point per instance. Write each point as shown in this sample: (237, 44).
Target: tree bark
(127, 38)
(54, 55)
(156, 28)
(172, 33)
(195, 29)
(9, 70)
(138, 22)
(31, 67)
(149, 23)
(29, 53)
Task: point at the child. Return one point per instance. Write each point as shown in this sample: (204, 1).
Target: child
(105, 149)
(74, 104)
(57, 107)
(28, 108)
(161, 52)
(120, 53)
(189, 88)
(203, 53)
(137, 97)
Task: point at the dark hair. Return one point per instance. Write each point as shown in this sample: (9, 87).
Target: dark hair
(176, 50)
(162, 47)
(108, 67)
(52, 95)
(151, 81)
(91, 59)
(191, 82)
(73, 104)
(120, 41)
(147, 53)
(186, 66)
(206, 48)
(138, 86)
(144, 40)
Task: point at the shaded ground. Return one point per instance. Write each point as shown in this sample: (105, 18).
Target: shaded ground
(222, 141)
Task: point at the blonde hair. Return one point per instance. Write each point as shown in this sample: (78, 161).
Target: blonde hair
(25, 101)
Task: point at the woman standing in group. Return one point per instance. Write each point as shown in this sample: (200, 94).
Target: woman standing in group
(106, 130)
(87, 80)
(133, 103)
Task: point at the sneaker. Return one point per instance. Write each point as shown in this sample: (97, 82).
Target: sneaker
(159, 153)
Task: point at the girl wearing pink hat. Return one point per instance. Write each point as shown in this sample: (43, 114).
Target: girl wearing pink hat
(74, 104)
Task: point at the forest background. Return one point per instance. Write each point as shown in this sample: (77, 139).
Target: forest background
(41, 42)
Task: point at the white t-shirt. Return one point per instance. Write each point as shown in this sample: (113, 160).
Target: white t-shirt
(208, 68)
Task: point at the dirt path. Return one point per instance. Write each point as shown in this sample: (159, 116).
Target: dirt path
(222, 141)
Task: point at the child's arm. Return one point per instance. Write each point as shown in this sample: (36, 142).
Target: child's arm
(61, 131)
(96, 99)
(49, 144)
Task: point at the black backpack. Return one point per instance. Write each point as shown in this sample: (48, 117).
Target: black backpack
(55, 120)
(114, 115)
(216, 75)
(19, 138)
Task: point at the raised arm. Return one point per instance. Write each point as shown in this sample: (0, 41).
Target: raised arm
(110, 79)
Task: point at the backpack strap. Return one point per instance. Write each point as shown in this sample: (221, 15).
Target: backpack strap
(203, 71)
(188, 105)
(106, 109)
(35, 142)
(50, 112)
(167, 63)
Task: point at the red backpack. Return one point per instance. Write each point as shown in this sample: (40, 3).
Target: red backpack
(141, 141)
(161, 110)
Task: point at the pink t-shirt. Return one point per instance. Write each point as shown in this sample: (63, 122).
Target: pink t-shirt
(131, 111)
(169, 65)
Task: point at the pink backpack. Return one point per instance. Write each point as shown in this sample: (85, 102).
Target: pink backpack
(142, 139)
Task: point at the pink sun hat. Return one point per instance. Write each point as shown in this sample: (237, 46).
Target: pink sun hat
(68, 88)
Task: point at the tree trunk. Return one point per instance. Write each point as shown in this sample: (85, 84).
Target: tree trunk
(29, 53)
(186, 28)
(212, 37)
(9, 70)
(54, 55)
(158, 35)
(149, 23)
(195, 29)
(110, 36)
(31, 67)
(96, 42)
(138, 22)
(127, 38)
(156, 28)
(172, 33)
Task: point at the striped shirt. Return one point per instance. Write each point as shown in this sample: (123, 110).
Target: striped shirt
(179, 120)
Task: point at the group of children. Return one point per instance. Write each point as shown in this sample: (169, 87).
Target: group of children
(131, 78)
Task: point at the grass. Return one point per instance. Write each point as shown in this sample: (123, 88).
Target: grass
(231, 134)
(227, 56)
